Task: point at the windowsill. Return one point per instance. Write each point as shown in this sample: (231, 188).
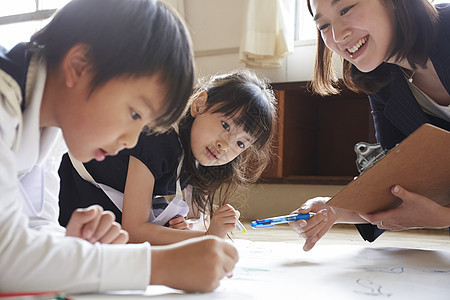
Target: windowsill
(300, 43)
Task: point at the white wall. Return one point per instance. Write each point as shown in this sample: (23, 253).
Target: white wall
(215, 26)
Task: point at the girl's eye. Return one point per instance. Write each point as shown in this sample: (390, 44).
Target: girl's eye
(135, 115)
(225, 126)
(345, 10)
(240, 144)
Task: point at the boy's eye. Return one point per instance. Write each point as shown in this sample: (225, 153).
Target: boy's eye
(345, 10)
(135, 115)
(225, 126)
(240, 144)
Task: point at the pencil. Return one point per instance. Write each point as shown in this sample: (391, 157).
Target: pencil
(241, 227)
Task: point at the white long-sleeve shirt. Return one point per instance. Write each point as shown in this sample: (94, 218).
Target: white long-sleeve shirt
(34, 253)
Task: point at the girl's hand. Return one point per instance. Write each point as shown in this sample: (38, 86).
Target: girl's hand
(95, 225)
(179, 223)
(223, 221)
(313, 229)
(416, 211)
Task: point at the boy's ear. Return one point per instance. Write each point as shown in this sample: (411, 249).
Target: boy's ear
(75, 64)
(199, 104)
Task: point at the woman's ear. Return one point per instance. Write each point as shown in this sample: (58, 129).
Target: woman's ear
(75, 64)
(199, 104)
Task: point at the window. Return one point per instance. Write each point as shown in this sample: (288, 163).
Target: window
(21, 18)
(305, 28)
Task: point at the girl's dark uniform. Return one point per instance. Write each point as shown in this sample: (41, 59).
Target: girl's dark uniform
(160, 153)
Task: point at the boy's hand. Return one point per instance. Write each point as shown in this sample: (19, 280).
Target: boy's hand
(179, 223)
(194, 265)
(223, 221)
(314, 229)
(95, 225)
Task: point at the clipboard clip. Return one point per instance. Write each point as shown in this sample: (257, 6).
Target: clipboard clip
(367, 155)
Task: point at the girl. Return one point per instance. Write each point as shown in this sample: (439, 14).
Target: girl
(99, 82)
(397, 52)
(225, 141)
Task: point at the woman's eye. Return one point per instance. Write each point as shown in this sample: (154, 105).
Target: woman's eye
(225, 126)
(135, 115)
(345, 10)
(323, 27)
(240, 144)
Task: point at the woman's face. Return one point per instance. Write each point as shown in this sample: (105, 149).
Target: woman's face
(360, 31)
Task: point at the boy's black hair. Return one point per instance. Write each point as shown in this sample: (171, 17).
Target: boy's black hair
(131, 38)
(250, 102)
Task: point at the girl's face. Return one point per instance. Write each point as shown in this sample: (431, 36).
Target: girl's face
(360, 31)
(112, 117)
(215, 139)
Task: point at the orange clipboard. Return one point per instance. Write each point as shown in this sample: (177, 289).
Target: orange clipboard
(420, 163)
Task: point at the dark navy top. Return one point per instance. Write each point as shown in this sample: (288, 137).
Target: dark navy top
(397, 113)
(160, 153)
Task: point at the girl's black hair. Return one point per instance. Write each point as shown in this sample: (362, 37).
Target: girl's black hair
(250, 102)
(131, 38)
(415, 36)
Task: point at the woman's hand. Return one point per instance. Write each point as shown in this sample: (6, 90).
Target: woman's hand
(314, 229)
(416, 211)
(223, 221)
(95, 225)
(179, 223)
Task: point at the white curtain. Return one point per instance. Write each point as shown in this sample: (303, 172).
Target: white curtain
(267, 34)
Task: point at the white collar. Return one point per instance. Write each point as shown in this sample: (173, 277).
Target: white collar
(35, 142)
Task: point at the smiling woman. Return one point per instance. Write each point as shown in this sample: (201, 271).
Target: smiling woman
(397, 52)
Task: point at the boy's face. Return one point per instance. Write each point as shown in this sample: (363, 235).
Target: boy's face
(112, 117)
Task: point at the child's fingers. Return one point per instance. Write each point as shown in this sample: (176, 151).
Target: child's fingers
(225, 208)
(116, 237)
(176, 220)
(88, 230)
(100, 225)
(111, 234)
(231, 252)
(181, 226)
(122, 238)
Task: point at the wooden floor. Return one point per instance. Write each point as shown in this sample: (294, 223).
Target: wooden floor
(347, 234)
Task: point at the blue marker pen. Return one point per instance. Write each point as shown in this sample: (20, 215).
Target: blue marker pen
(279, 220)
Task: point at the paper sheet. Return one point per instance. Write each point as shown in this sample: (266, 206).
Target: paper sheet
(277, 270)
(176, 207)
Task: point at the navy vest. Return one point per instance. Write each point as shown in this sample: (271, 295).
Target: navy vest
(15, 63)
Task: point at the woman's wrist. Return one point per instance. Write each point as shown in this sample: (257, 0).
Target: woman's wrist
(347, 216)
